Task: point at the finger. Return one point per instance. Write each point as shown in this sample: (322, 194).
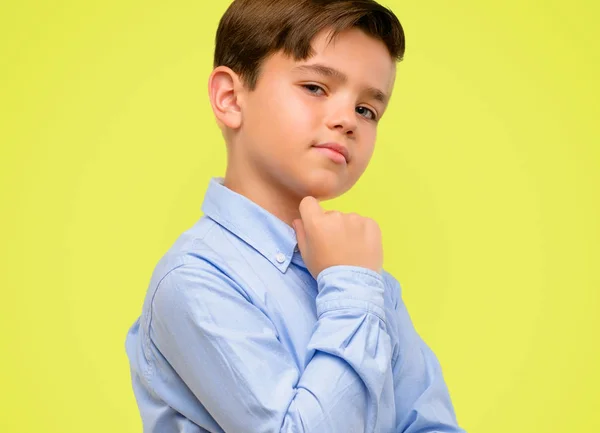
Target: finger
(310, 208)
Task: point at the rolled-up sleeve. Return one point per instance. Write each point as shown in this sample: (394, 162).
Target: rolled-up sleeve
(228, 353)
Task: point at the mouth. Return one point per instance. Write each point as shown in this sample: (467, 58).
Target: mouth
(337, 152)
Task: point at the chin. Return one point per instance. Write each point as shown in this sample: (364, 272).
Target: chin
(325, 186)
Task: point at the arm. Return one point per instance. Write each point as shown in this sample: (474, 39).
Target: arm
(228, 353)
(423, 402)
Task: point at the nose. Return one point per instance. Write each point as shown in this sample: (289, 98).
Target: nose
(342, 117)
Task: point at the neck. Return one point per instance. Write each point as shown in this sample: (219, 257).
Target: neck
(268, 194)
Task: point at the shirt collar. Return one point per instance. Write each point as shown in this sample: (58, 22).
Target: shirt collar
(260, 229)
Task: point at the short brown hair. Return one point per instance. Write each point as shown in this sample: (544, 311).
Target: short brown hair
(251, 30)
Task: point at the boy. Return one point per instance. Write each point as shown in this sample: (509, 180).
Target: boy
(270, 314)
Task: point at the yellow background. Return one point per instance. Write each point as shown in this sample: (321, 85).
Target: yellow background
(485, 181)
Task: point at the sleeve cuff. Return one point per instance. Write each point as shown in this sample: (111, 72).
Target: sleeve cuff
(344, 286)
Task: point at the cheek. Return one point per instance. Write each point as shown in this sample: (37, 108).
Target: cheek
(280, 122)
(292, 110)
(366, 148)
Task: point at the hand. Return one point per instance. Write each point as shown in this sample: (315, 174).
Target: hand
(333, 238)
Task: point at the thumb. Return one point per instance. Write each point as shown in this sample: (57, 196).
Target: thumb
(300, 234)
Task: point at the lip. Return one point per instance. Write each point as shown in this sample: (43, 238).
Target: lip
(336, 147)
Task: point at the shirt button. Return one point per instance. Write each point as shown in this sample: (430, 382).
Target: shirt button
(280, 258)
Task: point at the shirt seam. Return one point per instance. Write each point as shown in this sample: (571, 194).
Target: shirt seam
(243, 380)
(150, 369)
(354, 269)
(373, 312)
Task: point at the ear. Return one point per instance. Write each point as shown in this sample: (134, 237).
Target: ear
(224, 90)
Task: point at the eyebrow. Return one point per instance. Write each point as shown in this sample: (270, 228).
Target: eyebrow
(328, 71)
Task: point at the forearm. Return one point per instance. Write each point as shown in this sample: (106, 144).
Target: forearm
(344, 379)
(239, 370)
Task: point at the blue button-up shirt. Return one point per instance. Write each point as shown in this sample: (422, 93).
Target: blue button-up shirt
(235, 335)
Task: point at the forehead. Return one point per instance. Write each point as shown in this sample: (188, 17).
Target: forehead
(364, 59)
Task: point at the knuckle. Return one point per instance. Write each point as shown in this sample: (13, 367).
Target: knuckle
(335, 215)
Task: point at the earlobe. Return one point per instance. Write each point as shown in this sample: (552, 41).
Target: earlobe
(223, 91)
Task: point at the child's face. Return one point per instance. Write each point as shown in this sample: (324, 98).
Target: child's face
(294, 107)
